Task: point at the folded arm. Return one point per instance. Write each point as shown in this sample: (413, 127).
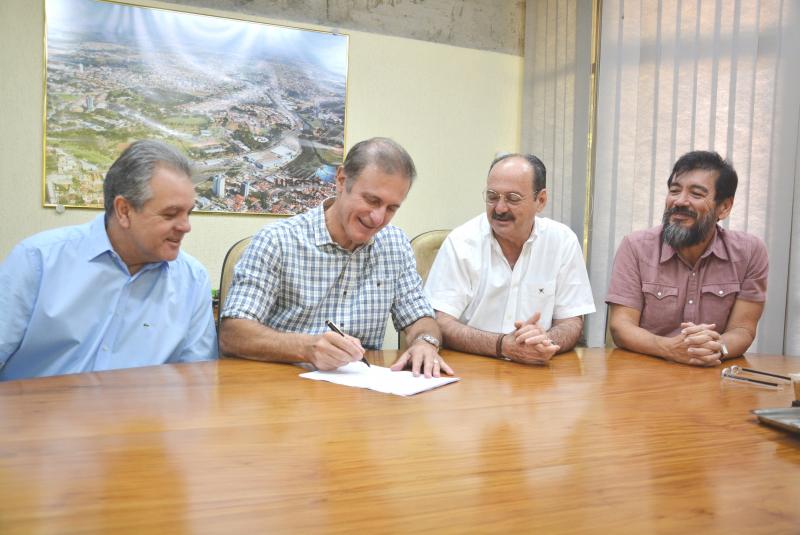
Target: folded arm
(625, 330)
(566, 332)
(462, 337)
(528, 344)
(704, 341)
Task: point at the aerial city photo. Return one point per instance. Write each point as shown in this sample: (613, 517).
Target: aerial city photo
(260, 109)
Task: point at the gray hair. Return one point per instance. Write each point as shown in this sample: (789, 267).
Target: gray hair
(130, 174)
(387, 154)
(539, 171)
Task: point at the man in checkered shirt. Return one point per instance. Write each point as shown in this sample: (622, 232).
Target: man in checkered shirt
(342, 262)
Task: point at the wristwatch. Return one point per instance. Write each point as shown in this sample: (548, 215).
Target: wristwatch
(723, 350)
(432, 340)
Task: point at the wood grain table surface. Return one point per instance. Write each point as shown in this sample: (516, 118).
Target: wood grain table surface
(599, 441)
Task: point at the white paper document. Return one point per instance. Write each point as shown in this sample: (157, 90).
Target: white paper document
(381, 379)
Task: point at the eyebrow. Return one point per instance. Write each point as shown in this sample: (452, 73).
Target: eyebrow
(369, 197)
(700, 187)
(173, 208)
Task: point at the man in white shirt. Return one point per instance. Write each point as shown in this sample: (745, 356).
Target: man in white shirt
(510, 284)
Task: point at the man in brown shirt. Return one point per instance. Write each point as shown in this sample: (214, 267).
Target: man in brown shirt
(688, 290)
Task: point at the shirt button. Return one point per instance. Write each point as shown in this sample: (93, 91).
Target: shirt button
(105, 348)
(720, 292)
(658, 294)
(691, 302)
(692, 273)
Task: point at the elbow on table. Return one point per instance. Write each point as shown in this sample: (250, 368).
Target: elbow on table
(228, 337)
(620, 332)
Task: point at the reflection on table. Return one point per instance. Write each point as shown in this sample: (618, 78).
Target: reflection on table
(601, 441)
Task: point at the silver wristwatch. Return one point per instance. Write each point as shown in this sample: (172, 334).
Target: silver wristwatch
(723, 350)
(430, 339)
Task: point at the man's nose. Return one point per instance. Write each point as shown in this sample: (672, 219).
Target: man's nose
(377, 215)
(682, 199)
(184, 225)
(502, 205)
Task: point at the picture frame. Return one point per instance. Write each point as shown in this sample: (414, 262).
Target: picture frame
(258, 108)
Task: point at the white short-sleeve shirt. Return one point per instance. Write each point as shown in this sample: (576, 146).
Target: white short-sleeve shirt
(471, 279)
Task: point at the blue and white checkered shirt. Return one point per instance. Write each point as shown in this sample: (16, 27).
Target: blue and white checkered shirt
(293, 277)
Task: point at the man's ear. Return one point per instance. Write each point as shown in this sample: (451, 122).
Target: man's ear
(340, 180)
(542, 199)
(724, 208)
(122, 211)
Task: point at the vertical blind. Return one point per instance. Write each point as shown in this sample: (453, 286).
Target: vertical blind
(555, 111)
(676, 76)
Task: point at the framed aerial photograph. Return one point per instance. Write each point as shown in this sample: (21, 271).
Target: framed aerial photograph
(258, 108)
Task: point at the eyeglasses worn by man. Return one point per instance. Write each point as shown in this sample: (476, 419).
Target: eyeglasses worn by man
(509, 283)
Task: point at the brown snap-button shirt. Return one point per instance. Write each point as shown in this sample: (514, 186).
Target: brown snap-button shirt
(648, 275)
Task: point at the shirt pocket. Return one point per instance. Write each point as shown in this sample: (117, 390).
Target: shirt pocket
(535, 296)
(546, 289)
(717, 300)
(722, 290)
(661, 312)
(659, 292)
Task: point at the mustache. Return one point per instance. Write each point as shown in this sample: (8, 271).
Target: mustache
(681, 210)
(506, 216)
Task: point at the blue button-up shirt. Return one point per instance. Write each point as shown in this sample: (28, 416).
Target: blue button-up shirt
(68, 304)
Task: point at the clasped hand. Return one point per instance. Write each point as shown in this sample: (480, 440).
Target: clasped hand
(529, 343)
(698, 345)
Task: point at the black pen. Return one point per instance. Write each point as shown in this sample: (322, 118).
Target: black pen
(335, 328)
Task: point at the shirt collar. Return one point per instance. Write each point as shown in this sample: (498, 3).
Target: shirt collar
(321, 234)
(716, 247)
(487, 229)
(98, 244)
(537, 224)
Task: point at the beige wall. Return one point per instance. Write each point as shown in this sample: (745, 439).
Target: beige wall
(452, 108)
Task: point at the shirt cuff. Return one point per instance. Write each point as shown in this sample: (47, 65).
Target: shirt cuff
(613, 299)
(238, 314)
(574, 311)
(447, 308)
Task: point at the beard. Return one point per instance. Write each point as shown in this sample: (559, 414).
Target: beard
(677, 236)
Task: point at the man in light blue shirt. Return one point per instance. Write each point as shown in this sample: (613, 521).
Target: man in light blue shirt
(116, 292)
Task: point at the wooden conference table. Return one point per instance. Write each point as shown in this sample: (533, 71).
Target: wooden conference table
(599, 441)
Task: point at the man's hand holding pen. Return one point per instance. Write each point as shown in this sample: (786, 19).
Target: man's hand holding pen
(332, 350)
